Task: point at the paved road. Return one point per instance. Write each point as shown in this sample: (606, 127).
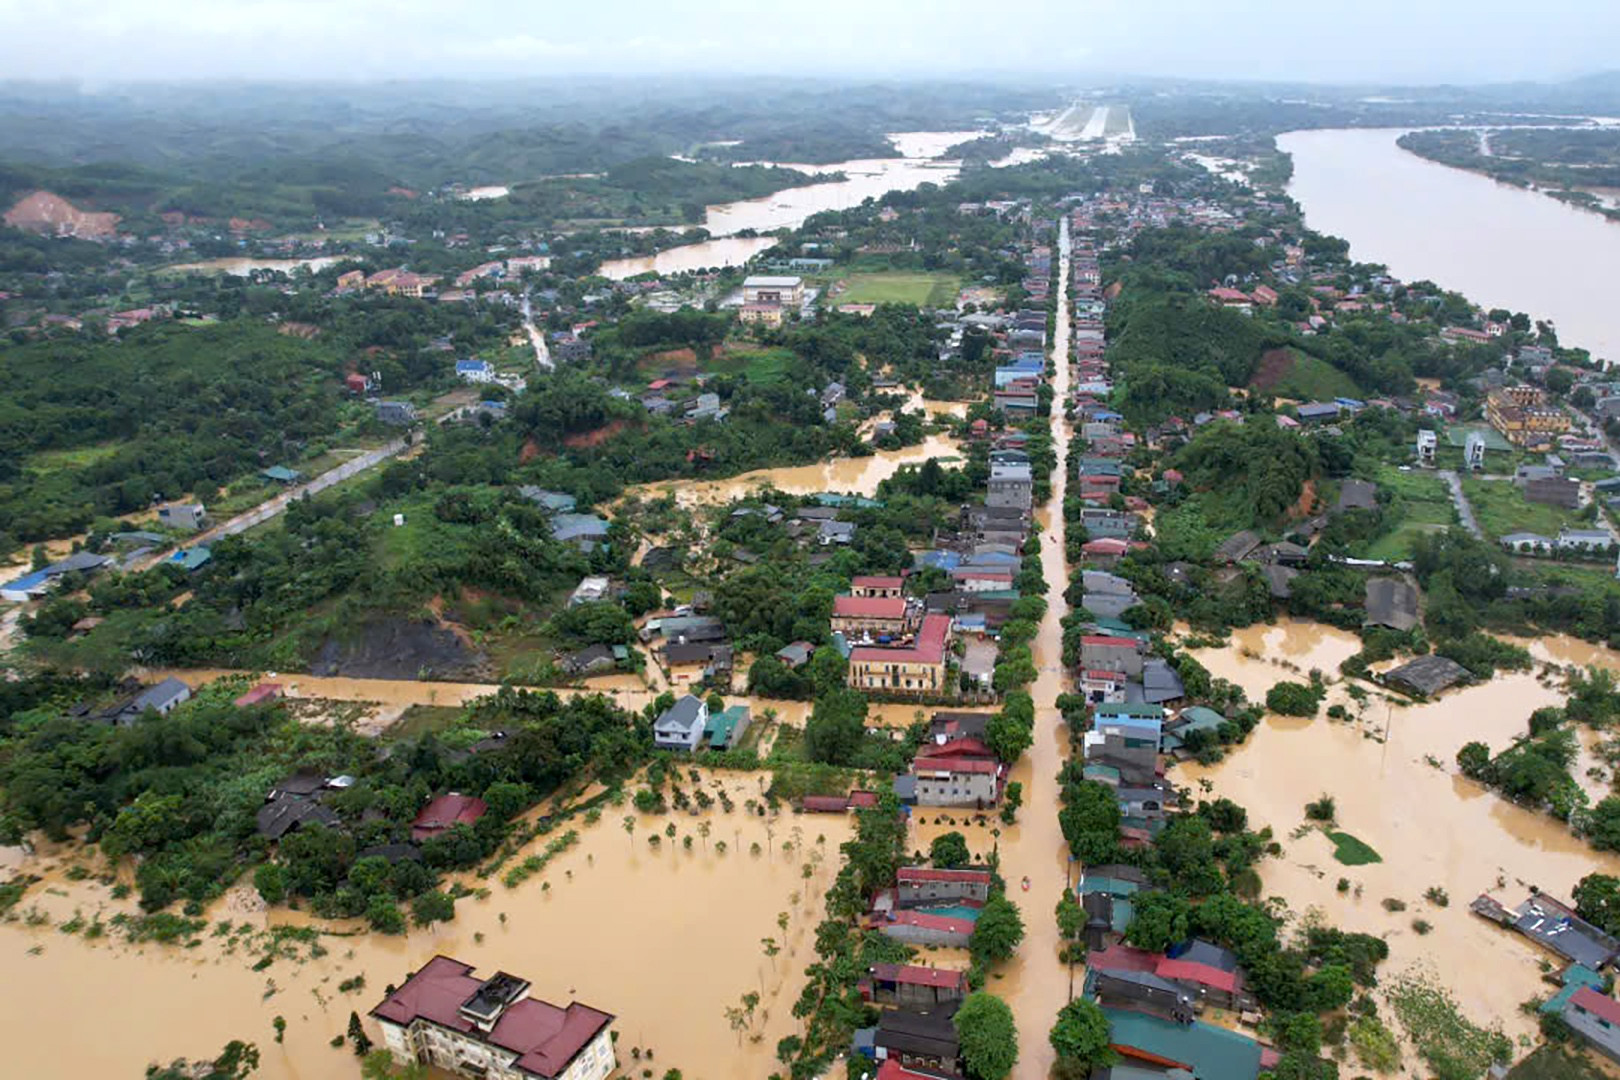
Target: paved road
(1460, 501)
(270, 508)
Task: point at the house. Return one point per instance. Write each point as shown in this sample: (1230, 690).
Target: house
(1527, 543)
(1010, 485)
(475, 371)
(38, 583)
(877, 615)
(1102, 686)
(781, 292)
(724, 730)
(839, 533)
(1553, 491)
(396, 413)
(961, 772)
(1427, 444)
(188, 517)
(1158, 1042)
(291, 806)
(1319, 412)
(1356, 495)
(1427, 675)
(1585, 540)
(916, 886)
(1392, 603)
(760, 314)
(190, 559)
(923, 928)
(871, 585)
(1161, 684)
(681, 726)
(444, 813)
(280, 474)
(911, 985)
(446, 1018)
(1102, 524)
(1554, 926)
(590, 659)
(917, 1039)
(265, 691)
(1595, 1017)
(918, 667)
(1237, 547)
(1101, 652)
(795, 655)
(584, 531)
(690, 662)
(590, 590)
(400, 282)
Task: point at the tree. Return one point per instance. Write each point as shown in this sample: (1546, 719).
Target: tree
(949, 851)
(271, 881)
(1597, 900)
(1160, 921)
(433, 906)
(358, 1036)
(1090, 821)
(836, 727)
(989, 1038)
(235, 1062)
(1081, 1034)
(1007, 735)
(998, 930)
(384, 915)
(1474, 759)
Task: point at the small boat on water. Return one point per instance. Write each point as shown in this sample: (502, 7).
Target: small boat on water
(1026, 883)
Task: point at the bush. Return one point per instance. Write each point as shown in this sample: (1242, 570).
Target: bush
(1323, 809)
(1295, 699)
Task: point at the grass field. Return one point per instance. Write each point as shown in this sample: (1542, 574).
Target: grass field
(901, 287)
(1502, 508)
(78, 457)
(1421, 505)
(1352, 852)
(763, 366)
(1314, 379)
(1556, 1063)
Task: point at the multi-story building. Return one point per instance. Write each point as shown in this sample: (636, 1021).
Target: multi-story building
(1523, 416)
(1010, 485)
(877, 585)
(917, 885)
(869, 614)
(917, 668)
(446, 1017)
(781, 291)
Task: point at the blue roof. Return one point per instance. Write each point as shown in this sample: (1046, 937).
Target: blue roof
(191, 558)
(1205, 1049)
(471, 365)
(28, 581)
(943, 560)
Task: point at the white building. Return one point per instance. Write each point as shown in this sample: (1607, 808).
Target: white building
(765, 289)
(447, 1018)
(1427, 444)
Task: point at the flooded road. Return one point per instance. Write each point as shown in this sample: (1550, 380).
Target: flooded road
(578, 930)
(1393, 776)
(1421, 219)
(787, 209)
(1034, 983)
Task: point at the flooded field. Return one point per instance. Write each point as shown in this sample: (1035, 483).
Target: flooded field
(666, 939)
(238, 266)
(1394, 779)
(859, 475)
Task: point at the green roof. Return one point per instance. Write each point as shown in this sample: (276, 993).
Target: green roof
(189, 559)
(1141, 710)
(1458, 436)
(1205, 1049)
(997, 594)
(1099, 883)
(1575, 976)
(1198, 718)
(280, 473)
(1091, 772)
(723, 725)
(833, 498)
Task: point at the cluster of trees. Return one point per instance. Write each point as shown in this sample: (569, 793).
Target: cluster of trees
(1249, 475)
(181, 792)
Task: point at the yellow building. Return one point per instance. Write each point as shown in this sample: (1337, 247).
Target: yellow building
(1524, 418)
(761, 314)
(917, 668)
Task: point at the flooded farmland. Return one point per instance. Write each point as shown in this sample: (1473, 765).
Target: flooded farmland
(1393, 777)
(665, 939)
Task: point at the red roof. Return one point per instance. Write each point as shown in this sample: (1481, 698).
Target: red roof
(824, 804)
(931, 922)
(1230, 295)
(863, 800)
(1202, 974)
(962, 747)
(1104, 640)
(659, 384)
(1599, 1005)
(928, 873)
(974, 573)
(1120, 957)
(870, 607)
(1112, 676)
(913, 975)
(877, 581)
(265, 691)
(929, 647)
(1105, 545)
(545, 1038)
(954, 765)
(446, 812)
(891, 1069)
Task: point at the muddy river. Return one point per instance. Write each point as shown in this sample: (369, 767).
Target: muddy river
(242, 267)
(863, 179)
(1393, 776)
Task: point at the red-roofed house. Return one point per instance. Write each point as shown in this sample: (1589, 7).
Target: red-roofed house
(1121, 957)
(917, 668)
(1209, 983)
(1100, 652)
(445, 813)
(909, 984)
(915, 885)
(961, 772)
(265, 691)
(1231, 298)
(874, 585)
(1103, 686)
(1264, 294)
(869, 614)
(446, 1017)
(891, 1069)
(1596, 1018)
(921, 928)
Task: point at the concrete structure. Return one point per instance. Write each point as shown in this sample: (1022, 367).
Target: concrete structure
(681, 726)
(1010, 485)
(396, 413)
(910, 985)
(1100, 652)
(1474, 451)
(189, 517)
(1427, 444)
(445, 1017)
(879, 615)
(957, 774)
(877, 585)
(918, 667)
(783, 291)
(919, 885)
(921, 928)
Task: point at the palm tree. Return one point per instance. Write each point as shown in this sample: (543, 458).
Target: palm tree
(630, 829)
(703, 831)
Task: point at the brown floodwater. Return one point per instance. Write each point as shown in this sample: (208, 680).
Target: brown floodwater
(1393, 776)
(241, 266)
(665, 939)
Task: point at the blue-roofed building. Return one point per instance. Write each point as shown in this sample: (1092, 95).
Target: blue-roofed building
(858, 502)
(475, 371)
(191, 559)
(940, 560)
(27, 587)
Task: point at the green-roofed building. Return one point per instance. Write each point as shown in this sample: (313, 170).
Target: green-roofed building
(726, 728)
(1095, 883)
(1102, 774)
(1575, 976)
(1208, 1052)
(281, 474)
(1197, 718)
(859, 502)
(191, 559)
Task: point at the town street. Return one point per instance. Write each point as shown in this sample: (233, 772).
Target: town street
(1035, 984)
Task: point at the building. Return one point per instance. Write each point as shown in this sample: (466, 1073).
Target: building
(1392, 603)
(1595, 1017)
(445, 1017)
(962, 772)
(1589, 541)
(911, 985)
(265, 691)
(780, 291)
(1427, 675)
(396, 413)
(923, 928)
(878, 615)
(400, 282)
(1427, 444)
(919, 1040)
(1523, 416)
(919, 885)
(917, 668)
(189, 517)
(725, 729)
(445, 813)
(34, 585)
(760, 314)
(870, 585)
(161, 698)
(584, 531)
(1010, 485)
(1100, 652)
(681, 726)
(475, 371)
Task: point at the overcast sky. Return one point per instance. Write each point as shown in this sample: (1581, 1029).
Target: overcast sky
(1369, 41)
